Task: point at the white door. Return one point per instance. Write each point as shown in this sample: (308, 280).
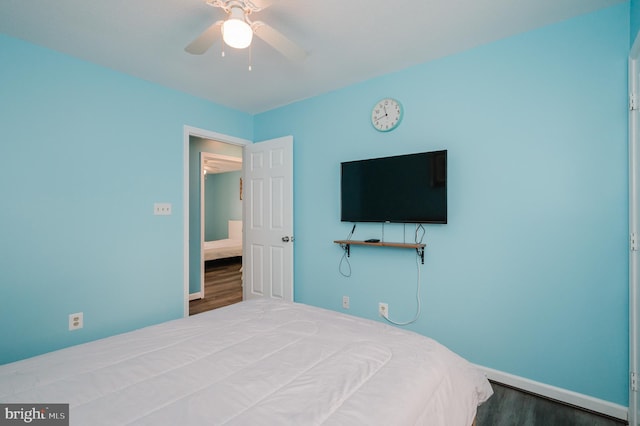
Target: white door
(268, 219)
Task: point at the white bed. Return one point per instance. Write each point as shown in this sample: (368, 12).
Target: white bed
(257, 362)
(228, 247)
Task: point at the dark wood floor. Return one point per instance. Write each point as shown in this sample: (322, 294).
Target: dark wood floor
(512, 407)
(222, 285)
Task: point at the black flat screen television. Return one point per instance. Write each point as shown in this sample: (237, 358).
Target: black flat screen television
(408, 188)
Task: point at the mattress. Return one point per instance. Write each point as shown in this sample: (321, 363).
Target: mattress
(221, 249)
(228, 247)
(257, 362)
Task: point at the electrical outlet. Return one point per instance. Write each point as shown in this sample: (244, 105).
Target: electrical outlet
(76, 321)
(162, 209)
(383, 309)
(345, 302)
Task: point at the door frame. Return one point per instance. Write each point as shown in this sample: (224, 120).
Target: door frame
(634, 233)
(189, 131)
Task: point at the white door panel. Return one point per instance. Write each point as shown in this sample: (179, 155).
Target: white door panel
(269, 219)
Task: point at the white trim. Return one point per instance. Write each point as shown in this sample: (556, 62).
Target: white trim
(202, 158)
(558, 394)
(207, 134)
(634, 228)
(195, 296)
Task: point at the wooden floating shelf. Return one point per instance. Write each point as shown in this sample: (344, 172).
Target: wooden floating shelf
(348, 243)
(381, 244)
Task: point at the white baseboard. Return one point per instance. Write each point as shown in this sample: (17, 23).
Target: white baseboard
(559, 394)
(194, 296)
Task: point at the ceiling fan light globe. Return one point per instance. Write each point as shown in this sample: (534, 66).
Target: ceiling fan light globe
(237, 33)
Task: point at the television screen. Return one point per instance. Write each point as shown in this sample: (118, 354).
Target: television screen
(405, 188)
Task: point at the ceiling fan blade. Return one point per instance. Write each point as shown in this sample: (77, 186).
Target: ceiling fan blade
(279, 42)
(260, 4)
(205, 40)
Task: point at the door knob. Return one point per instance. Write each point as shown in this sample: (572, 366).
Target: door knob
(285, 239)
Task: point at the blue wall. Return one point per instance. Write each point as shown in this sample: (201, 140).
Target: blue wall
(635, 19)
(85, 238)
(222, 204)
(530, 275)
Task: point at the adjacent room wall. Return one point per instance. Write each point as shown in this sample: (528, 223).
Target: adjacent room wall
(222, 204)
(530, 275)
(85, 239)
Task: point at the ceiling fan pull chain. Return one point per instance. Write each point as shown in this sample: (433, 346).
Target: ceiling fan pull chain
(250, 55)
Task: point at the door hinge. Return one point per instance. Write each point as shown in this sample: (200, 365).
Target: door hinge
(634, 381)
(633, 241)
(633, 101)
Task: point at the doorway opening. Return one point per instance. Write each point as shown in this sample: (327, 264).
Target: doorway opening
(220, 156)
(221, 242)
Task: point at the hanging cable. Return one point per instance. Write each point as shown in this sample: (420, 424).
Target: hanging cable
(419, 303)
(345, 258)
(419, 228)
(418, 236)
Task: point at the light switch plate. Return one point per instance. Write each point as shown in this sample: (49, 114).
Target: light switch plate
(162, 209)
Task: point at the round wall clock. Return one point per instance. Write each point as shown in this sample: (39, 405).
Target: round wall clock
(386, 115)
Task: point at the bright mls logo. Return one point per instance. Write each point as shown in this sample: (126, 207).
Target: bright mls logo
(36, 414)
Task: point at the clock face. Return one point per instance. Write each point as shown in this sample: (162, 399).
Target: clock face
(386, 115)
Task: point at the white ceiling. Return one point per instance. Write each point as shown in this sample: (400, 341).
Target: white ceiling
(347, 41)
(214, 164)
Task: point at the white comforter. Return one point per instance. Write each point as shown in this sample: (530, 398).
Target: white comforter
(255, 363)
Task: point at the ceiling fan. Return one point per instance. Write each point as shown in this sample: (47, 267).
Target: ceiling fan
(237, 30)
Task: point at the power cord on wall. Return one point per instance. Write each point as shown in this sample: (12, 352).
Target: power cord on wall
(418, 229)
(345, 258)
(385, 315)
(418, 311)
